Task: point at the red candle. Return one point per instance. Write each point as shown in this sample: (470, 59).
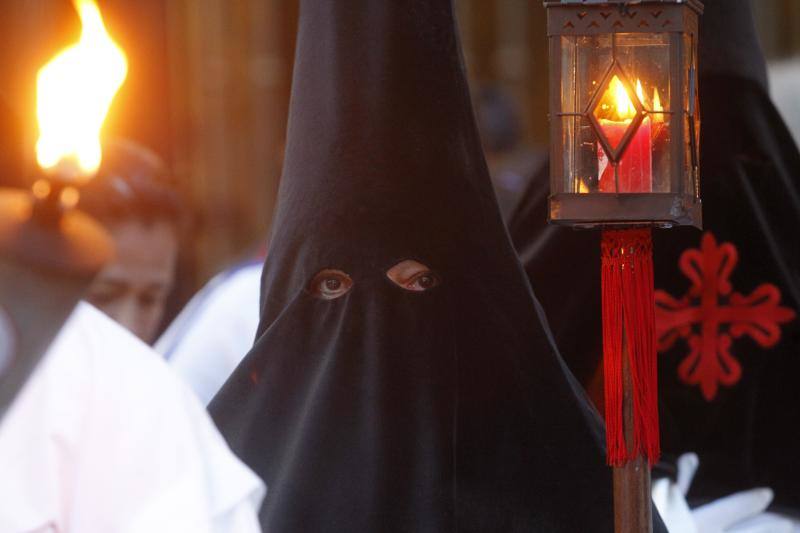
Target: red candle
(635, 169)
(615, 113)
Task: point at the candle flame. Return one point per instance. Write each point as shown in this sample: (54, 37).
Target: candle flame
(657, 108)
(639, 90)
(616, 104)
(74, 92)
(657, 102)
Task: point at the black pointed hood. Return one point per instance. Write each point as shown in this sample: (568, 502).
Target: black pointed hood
(730, 43)
(381, 146)
(727, 391)
(389, 409)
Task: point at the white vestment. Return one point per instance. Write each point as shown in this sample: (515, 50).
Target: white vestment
(209, 338)
(105, 438)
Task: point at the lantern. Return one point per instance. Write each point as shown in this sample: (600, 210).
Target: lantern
(624, 157)
(623, 112)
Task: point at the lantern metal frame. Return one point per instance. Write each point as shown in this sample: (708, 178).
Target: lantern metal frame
(681, 205)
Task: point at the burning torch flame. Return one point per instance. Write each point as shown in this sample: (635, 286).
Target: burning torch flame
(73, 94)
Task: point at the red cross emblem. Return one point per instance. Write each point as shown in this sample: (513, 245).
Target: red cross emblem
(710, 315)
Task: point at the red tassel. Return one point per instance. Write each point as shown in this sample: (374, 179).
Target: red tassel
(627, 290)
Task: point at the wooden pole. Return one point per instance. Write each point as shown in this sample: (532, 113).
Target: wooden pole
(632, 507)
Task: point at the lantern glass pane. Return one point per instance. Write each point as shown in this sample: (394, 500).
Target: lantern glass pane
(687, 156)
(688, 62)
(690, 97)
(615, 110)
(569, 59)
(645, 58)
(580, 156)
(594, 60)
(661, 159)
(585, 61)
(645, 163)
(696, 97)
(568, 153)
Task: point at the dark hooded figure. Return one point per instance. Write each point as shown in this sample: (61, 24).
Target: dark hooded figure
(727, 298)
(402, 378)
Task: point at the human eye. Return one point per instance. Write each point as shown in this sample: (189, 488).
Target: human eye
(423, 281)
(330, 284)
(104, 293)
(413, 276)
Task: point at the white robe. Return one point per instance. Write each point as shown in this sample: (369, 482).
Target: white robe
(104, 438)
(209, 338)
(784, 84)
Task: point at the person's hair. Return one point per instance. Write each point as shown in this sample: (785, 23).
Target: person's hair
(132, 183)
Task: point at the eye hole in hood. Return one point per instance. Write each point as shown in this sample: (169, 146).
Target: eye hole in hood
(413, 276)
(329, 284)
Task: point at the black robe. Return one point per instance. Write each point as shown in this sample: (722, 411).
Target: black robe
(386, 409)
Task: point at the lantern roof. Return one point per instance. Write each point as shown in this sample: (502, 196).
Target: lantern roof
(697, 5)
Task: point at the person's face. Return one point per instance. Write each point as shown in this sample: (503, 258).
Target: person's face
(133, 288)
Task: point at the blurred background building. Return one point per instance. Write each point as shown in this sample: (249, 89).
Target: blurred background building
(209, 81)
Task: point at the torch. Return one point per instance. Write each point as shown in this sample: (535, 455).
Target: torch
(624, 158)
(49, 250)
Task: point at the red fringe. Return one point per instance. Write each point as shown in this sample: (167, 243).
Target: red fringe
(627, 287)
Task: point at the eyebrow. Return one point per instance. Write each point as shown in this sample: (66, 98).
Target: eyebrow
(401, 274)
